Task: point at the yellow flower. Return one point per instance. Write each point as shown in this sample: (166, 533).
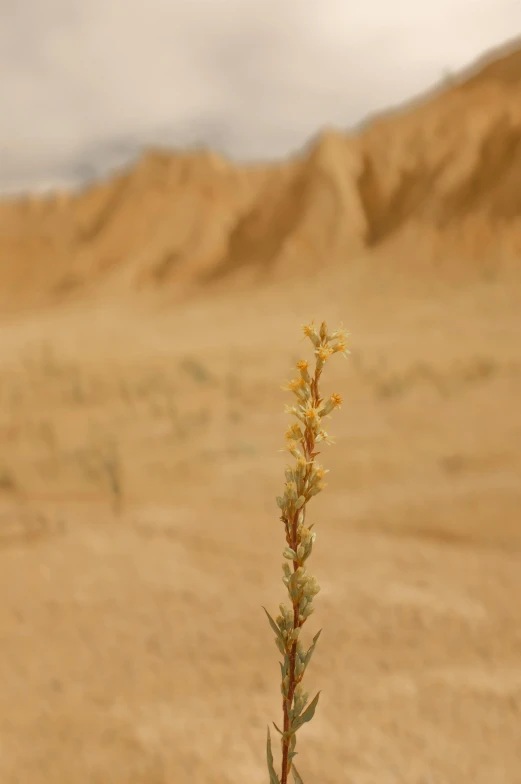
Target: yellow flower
(310, 331)
(295, 411)
(292, 447)
(323, 436)
(303, 367)
(342, 347)
(339, 334)
(295, 385)
(334, 401)
(324, 352)
(294, 433)
(320, 471)
(310, 412)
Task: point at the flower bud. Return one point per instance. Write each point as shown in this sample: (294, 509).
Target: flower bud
(291, 447)
(280, 645)
(303, 367)
(291, 491)
(323, 352)
(315, 489)
(310, 332)
(294, 433)
(294, 634)
(333, 402)
(307, 611)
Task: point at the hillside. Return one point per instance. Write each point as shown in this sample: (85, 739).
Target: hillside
(444, 172)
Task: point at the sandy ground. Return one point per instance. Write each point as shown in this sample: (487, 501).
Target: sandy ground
(139, 537)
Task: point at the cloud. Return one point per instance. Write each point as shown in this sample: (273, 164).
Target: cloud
(84, 84)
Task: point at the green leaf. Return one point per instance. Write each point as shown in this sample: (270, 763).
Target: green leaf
(274, 779)
(296, 775)
(274, 625)
(307, 715)
(309, 654)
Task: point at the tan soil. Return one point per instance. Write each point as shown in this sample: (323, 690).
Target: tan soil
(139, 534)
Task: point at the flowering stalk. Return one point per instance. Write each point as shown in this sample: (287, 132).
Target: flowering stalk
(303, 481)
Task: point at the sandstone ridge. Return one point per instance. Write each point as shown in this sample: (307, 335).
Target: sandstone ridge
(446, 169)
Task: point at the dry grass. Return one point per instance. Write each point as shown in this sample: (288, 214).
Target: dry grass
(131, 633)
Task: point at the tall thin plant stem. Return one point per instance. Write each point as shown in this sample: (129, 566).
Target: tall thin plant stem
(303, 481)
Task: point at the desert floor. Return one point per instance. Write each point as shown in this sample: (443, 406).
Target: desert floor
(139, 537)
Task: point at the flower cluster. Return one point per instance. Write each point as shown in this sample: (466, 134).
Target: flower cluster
(303, 481)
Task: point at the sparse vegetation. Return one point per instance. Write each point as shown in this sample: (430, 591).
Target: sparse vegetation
(71, 426)
(7, 481)
(388, 384)
(102, 465)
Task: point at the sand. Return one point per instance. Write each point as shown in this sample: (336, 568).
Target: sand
(140, 421)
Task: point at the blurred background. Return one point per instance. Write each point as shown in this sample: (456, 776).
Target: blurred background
(182, 186)
(85, 85)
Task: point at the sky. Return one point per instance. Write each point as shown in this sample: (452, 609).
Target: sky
(84, 84)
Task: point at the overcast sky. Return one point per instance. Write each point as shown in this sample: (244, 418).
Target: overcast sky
(83, 83)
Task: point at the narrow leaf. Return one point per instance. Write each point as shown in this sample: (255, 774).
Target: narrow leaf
(273, 625)
(309, 654)
(307, 715)
(274, 779)
(296, 775)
